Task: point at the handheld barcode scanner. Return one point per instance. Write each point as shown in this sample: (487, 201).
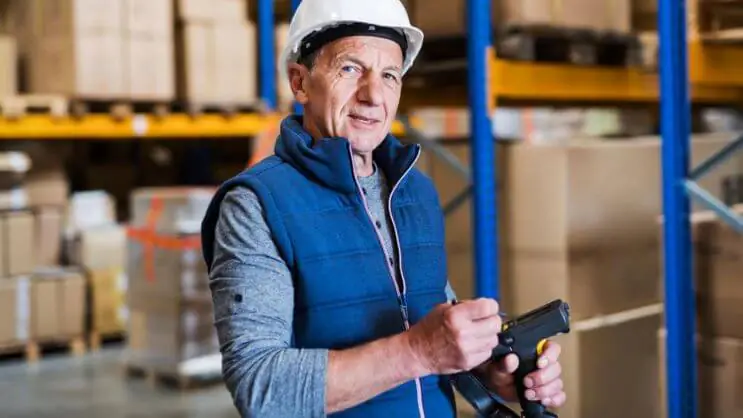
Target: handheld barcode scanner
(526, 337)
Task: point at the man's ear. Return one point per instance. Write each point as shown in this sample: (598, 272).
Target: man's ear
(298, 75)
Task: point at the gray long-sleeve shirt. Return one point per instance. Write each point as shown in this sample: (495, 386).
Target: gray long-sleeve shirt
(253, 298)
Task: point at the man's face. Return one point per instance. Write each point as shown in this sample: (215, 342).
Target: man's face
(352, 91)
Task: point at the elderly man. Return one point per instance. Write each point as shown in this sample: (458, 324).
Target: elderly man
(327, 260)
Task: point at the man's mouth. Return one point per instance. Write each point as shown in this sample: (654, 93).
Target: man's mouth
(363, 119)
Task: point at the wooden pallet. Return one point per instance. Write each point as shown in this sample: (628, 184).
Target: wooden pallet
(32, 351)
(13, 107)
(119, 109)
(97, 339)
(172, 379)
(225, 109)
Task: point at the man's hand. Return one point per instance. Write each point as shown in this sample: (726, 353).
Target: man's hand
(543, 385)
(455, 338)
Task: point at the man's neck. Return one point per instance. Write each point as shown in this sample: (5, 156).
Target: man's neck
(363, 164)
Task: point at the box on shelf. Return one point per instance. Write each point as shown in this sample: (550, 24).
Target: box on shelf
(8, 66)
(149, 18)
(65, 17)
(14, 311)
(57, 307)
(48, 242)
(216, 62)
(150, 68)
(108, 309)
(719, 373)
(82, 65)
(171, 319)
(17, 246)
(718, 269)
(212, 10)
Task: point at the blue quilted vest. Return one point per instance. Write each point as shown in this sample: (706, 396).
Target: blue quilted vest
(345, 294)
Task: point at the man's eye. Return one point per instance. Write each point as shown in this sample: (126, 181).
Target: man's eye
(348, 68)
(391, 76)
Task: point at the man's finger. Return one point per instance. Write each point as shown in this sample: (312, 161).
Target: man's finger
(549, 390)
(544, 376)
(555, 401)
(479, 308)
(550, 355)
(508, 365)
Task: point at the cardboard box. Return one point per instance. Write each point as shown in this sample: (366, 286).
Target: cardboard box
(108, 310)
(149, 18)
(195, 10)
(180, 209)
(196, 71)
(98, 248)
(80, 65)
(235, 57)
(8, 66)
(171, 336)
(48, 243)
(57, 304)
(720, 376)
(19, 239)
(610, 367)
(222, 11)
(47, 187)
(65, 17)
(150, 67)
(718, 267)
(216, 62)
(14, 310)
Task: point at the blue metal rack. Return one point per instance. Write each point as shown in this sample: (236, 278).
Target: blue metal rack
(678, 182)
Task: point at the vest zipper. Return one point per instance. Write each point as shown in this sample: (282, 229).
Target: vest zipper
(401, 293)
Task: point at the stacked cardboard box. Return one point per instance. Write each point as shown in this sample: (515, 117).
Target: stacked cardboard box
(450, 17)
(100, 49)
(578, 222)
(216, 50)
(96, 243)
(718, 270)
(149, 54)
(46, 305)
(77, 48)
(171, 319)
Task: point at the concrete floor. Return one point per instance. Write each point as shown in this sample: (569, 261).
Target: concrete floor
(94, 386)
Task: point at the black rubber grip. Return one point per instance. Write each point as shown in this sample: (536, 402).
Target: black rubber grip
(530, 409)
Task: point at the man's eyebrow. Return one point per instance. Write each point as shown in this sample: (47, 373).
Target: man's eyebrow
(349, 57)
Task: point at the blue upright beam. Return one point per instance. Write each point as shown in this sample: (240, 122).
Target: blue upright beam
(484, 220)
(298, 109)
(267, 53)
(681, 367)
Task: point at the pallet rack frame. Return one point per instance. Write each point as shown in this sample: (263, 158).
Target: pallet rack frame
(677, 179)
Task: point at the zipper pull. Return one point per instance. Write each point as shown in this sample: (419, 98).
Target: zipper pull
(404, 308)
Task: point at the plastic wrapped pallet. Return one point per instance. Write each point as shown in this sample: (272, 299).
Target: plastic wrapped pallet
(171, 319)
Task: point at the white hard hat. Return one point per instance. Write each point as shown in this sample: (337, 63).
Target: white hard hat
(317, 15)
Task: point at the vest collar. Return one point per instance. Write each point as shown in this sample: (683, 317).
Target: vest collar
(329, 161)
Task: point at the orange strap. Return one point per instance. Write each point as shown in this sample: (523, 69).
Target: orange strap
(151, 240)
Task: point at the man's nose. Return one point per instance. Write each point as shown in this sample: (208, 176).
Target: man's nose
(370, 90)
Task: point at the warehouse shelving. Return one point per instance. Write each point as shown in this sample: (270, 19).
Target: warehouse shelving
(176, 126)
